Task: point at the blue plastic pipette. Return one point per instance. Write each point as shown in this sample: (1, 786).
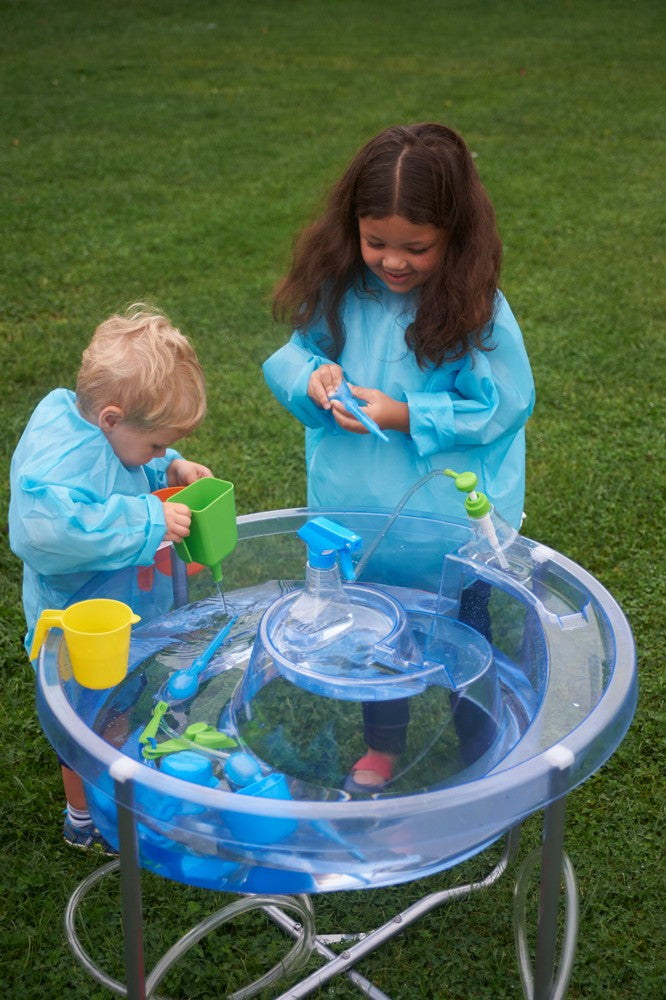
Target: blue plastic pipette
(343, 394)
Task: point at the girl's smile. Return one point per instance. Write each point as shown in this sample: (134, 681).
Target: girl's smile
(403, 254)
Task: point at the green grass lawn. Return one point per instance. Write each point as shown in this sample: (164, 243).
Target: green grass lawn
(168, 153)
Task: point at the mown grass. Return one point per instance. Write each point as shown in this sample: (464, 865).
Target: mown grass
(168, 153)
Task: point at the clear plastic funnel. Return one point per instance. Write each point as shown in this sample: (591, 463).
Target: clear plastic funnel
(303, 712)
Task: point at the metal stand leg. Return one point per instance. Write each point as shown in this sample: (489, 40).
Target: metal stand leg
(178, 580)
(137, 986)
(550, 981)
(546, 986)
(130, 885)
(549, 899)
(290, 926)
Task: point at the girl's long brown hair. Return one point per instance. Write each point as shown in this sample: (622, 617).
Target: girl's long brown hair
(424, 173)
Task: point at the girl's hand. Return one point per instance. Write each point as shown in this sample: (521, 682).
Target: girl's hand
(182, 473)
(178, 518)
(388, 413)
(323, 382)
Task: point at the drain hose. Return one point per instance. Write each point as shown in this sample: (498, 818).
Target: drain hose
(301, 906)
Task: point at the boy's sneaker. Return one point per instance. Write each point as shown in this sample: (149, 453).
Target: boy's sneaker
(87, 838)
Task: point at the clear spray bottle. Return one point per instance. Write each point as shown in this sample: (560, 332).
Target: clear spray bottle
(323, 612)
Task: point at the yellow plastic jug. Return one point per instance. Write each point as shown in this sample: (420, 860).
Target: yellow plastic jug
(97, 633)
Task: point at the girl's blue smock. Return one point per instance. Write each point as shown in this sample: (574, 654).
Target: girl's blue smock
(468, 415)
(75, 509)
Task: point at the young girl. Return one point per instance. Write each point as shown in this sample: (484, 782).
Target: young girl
(395, 289)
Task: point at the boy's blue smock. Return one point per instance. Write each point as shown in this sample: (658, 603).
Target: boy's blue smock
(75, 509)
(467, 414)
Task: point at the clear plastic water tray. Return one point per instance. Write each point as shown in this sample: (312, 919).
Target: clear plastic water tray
(501, 690)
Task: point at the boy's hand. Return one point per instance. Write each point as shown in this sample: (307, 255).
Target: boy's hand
(322, 382)
(182, 473)
(178, 518)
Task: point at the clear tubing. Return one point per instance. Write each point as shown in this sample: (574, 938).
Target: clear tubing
(294, 958)
(297, 956)
(568, 951)
(362, 563)
(70, 931)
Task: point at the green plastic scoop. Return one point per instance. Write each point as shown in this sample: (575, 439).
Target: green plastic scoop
(213, 532)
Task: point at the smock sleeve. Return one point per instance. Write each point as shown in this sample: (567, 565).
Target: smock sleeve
(491, 395)
(287, 373)
(55, 529)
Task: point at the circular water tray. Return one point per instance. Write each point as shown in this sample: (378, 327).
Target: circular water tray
(499, 718)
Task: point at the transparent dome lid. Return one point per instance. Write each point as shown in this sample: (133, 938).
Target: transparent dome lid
(427, 682)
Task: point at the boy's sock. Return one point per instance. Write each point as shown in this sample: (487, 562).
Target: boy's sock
(79, 818)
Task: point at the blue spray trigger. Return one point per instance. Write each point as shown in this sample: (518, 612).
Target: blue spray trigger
(343, 394)
(346, 565)
(327, 541)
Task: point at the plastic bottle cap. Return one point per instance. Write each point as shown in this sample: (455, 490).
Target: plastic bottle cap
(321, 560)
(479, 506)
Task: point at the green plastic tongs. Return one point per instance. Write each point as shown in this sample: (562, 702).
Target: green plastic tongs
(197, 734)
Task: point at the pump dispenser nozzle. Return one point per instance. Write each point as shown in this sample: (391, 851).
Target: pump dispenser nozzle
(323, 612)
(482, 513)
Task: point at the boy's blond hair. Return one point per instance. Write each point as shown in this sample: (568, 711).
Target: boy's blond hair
(143, 365)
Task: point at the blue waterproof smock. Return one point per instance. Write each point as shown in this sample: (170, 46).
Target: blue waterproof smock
(75, 509)
(468, 415)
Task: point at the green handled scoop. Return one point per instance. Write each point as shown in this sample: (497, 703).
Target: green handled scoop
(213, 532)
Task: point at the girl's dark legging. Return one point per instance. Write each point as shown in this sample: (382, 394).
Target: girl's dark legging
(385, 722)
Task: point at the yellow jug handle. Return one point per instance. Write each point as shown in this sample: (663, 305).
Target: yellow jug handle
(48, 619)
(134, 619)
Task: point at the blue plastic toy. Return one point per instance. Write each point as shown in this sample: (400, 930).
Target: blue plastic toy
(184, 683)
(352, 405)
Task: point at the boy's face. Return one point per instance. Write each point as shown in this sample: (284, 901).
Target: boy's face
(404, 255)
(134, 446)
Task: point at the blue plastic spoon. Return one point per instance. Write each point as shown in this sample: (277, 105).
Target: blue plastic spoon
(183, 683)
(343, 394)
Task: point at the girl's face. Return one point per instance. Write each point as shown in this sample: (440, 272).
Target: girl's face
(404, 255)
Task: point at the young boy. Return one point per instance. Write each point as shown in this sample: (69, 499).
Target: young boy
(84, 470)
